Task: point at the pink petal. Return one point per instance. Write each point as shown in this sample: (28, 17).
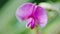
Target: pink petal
(24, 11)
(41, 16)
(30, 23)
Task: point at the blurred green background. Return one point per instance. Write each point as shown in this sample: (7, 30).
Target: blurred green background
(10, 25)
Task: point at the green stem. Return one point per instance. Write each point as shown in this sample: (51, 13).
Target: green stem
(36, 30)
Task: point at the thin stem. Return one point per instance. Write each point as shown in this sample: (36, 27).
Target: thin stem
(36, 30)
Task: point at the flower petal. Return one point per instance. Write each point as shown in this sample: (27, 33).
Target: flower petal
(24, 11)
(41, 16)
(30, 23)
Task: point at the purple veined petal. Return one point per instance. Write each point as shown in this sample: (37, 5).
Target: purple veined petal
(41, 16)
(30, 23)
(24, 11)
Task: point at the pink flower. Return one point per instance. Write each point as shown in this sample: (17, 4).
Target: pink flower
(35, 15)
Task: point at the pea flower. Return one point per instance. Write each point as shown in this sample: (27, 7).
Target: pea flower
(34, 14)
